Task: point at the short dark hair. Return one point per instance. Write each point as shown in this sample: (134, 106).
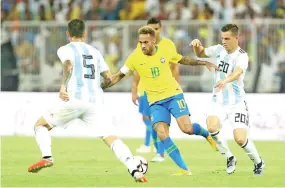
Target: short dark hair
(153, 20)
(144, 30)
(76, 28)
(231, 27)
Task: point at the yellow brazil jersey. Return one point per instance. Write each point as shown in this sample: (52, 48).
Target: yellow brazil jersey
(163, 44)
(155, 73)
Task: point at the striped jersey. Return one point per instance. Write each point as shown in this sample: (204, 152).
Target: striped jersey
(233, 92)
(88, 63)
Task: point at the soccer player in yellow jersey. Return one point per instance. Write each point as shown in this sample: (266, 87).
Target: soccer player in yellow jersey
(139, 94)
(164, 93)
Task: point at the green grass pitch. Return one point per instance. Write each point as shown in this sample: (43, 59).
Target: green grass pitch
(89, 163)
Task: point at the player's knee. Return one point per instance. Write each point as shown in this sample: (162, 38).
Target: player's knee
(240, 140)
(109, 139)
(187, 128)
(146, 118)
(161, 130)
(240, 136)
(212, 128)
(42, 122)
(162, 135)
(212, 124)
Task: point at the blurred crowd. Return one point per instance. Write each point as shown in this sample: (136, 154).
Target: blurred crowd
(61, 10)
(26, 46)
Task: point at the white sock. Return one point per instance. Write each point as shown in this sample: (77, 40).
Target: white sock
(123, 153)
(222, 144)
(251, 151)
(44, 140)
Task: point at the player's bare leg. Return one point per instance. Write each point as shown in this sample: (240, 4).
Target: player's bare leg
(189, 128)
(240, 135)
(124, 154)
(44, 142)
(213, 124)
(162, 130)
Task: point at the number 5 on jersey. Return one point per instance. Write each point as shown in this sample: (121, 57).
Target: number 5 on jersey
(90, 67)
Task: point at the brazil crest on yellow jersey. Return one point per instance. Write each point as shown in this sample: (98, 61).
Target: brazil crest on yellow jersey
(164, 44)
(155, 73)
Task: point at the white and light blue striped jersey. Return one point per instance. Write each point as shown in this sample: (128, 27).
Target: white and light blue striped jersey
(88, 63)
(233, 92)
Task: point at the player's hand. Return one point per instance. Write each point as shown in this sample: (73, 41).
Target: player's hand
(195, 43)
(135, 98)
(220, 85)
(63, 94)
(210, 66)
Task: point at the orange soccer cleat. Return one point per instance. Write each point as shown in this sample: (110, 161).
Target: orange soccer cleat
(141, 179)
(43, 163)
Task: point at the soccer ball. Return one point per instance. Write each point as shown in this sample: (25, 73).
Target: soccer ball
(141, 163)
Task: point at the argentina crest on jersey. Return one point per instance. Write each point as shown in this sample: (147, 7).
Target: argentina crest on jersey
(162, 60)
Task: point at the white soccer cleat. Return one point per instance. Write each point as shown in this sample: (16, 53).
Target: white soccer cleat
(158, 158)
(231, 165)
(144, 149)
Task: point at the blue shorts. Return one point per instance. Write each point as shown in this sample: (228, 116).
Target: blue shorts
(143, 105)
(161, 110)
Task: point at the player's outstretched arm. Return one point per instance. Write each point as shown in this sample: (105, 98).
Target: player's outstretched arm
(67, 68)
(107, 76)
(189, 61)
(198, 48)
(233, 76)
(115, 79)
(136, 80)
(175, 72)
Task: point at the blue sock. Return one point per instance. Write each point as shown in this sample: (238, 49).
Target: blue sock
(148, 132)
(174, 153)
(198, 130)
(157, 143)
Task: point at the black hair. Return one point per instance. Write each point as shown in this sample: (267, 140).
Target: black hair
(230, 27)
(76, 28)
(153, 20)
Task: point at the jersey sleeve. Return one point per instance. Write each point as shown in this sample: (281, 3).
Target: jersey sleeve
(175, 58)
(172, 46)
(65, 53)
(130, 62)
(102, 64)
(242, 62)
(211, 51)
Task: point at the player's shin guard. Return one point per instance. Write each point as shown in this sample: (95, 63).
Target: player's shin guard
(123, 153)
(222, 144)
(148, 132)
(199, 130)
(157, 143)
(251, 151)
(44, 141)
(174, 153)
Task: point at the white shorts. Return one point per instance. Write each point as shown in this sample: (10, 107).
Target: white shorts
(93, 115)
(237, 115)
